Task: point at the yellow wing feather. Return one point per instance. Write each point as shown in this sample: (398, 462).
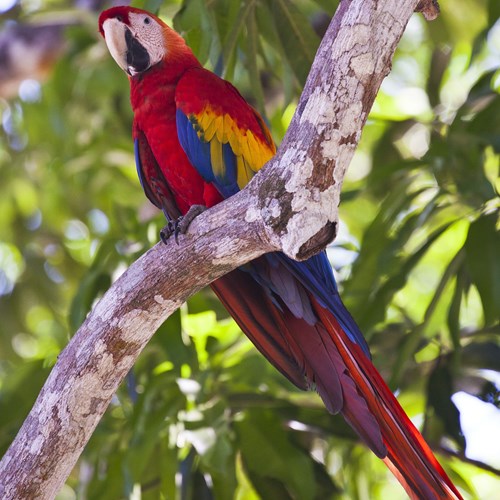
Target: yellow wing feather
(219, 128)
(218, 164)
(210, 129)
(251, 152)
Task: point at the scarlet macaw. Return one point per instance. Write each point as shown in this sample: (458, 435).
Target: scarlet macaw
(197, 142)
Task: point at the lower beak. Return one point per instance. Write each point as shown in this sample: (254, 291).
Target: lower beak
(138, 59)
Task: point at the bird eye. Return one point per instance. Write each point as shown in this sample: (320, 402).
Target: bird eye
(147, 20)
(119, 17)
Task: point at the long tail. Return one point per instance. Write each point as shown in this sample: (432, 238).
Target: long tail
(322, 354)
(408, 455)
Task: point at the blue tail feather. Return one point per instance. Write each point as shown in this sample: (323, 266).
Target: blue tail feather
(316, 275)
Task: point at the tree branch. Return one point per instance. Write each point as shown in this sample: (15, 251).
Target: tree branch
(291, 206)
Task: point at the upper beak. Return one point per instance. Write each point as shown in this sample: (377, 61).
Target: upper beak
(114, 34)
(124, 47)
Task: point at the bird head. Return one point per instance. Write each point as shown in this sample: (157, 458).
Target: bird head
(138, 40)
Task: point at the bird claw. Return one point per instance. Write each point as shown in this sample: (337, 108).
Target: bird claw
(170, 229)
(181, 224)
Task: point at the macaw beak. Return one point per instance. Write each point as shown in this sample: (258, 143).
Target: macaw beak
(124, 47)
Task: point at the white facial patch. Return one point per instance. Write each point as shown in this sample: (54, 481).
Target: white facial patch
(149, 34)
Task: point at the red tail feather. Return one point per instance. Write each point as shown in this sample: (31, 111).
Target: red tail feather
(408, 455)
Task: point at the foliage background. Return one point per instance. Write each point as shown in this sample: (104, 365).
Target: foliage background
(203, 415)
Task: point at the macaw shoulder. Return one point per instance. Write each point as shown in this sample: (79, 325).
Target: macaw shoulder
(219, 109)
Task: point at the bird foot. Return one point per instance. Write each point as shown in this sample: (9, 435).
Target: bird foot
(181, 224)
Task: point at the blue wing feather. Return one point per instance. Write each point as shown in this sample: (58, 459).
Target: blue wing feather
(198, 152)
(228, 186)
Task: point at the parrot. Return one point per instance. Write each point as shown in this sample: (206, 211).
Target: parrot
(197, 142)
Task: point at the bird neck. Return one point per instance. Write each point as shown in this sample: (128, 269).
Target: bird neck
(162, 77)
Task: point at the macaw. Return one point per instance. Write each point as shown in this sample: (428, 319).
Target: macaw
(197, 141)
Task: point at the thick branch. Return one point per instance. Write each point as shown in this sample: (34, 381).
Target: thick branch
(291, 205)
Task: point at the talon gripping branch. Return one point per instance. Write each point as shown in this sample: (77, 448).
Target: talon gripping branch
(197, 141)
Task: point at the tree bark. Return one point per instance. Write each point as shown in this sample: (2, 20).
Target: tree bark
(291, 205)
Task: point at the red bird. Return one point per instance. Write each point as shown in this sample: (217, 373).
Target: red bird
(197, 141)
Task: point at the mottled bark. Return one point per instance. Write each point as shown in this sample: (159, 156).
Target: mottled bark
(290, 206)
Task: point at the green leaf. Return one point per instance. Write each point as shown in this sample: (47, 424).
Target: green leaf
(267, 31)
(438, 65)
(230, 42)
(147, 432)
(493, 12)
(297, 36)
(220, 463)
(149, 5)
(382, 268)
(454, 310)
(482, 251)
(168, 463)
(252, 51)
(197, 25)
(481, 111)
(411, 341)
(179, 350)
(92, 285)
(270, 456)
(329, 6)
(19, 390)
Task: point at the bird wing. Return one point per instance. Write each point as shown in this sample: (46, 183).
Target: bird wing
(152, 180)
(224, 138)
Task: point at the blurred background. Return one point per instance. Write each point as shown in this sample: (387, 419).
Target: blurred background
(203, 415)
